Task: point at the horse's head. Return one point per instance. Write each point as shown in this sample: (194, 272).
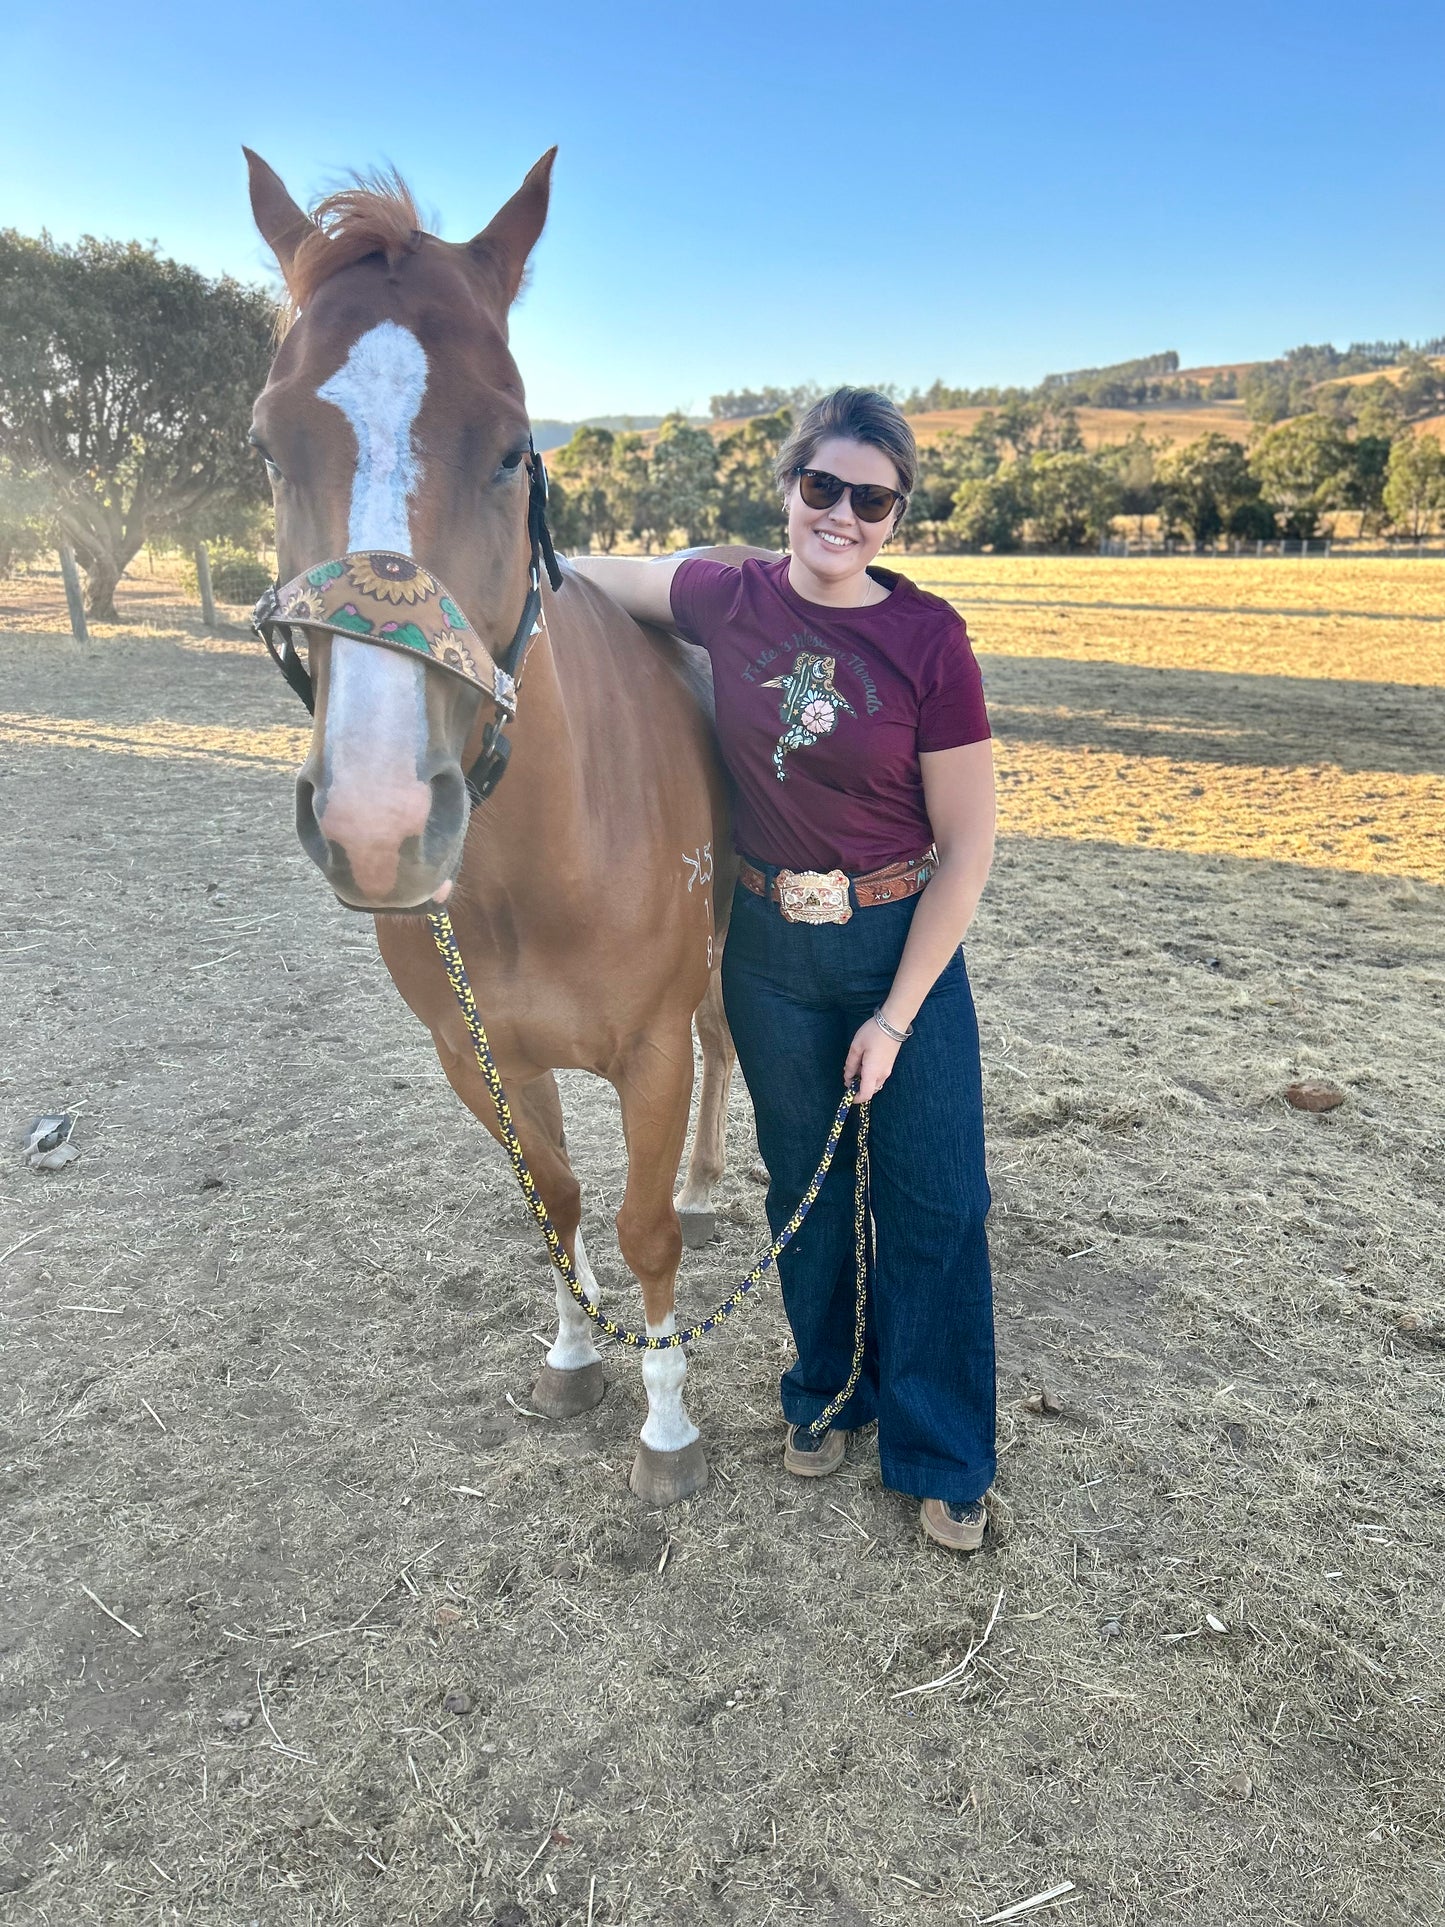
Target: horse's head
(393, 420)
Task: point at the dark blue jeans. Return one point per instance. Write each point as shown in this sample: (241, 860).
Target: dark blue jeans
(795, 994)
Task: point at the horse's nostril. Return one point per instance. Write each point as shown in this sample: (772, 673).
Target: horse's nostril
(447, 813)
(307, 828)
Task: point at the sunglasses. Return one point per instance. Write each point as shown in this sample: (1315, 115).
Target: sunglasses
(820, 490)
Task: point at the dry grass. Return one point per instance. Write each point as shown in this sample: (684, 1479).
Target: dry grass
(1101, 427)
(263, 1333)
(1227, 708)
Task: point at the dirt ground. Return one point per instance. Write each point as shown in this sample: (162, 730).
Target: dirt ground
(266, 1341)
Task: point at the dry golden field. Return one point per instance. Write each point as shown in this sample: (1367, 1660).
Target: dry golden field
(1224, 660)
(305, 1622)
(1100, 427)
(1164, 420)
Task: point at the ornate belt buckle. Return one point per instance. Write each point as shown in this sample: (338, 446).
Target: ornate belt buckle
(814, 896)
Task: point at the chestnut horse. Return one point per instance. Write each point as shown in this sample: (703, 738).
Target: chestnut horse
(589, 892)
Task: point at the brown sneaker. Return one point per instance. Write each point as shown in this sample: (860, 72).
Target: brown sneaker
(810, 1458)
(959, 1527)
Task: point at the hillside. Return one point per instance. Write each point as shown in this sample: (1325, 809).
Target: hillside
(1171, 421)
(1167, 420)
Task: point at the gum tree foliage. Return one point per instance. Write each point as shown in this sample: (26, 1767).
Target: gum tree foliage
(1414, 491)
(751, 507)
(1207, 487)
(126, 384)
(584, 508)
(682, 491)
(1302, 466)
(1136, 465)
(988, 512)
(600, 482)
(1072, 497)
(27, 527)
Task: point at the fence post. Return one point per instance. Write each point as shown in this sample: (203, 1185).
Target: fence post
(203, 579)
(74, 600)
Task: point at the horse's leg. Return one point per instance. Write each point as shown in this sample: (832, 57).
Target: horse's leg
(709, 1144)
(571, 1380)
(654, 1084)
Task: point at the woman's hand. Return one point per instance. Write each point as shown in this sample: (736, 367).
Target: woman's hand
(871, 1057)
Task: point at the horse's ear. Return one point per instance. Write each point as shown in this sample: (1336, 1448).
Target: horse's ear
(284, 226)
(511, 234)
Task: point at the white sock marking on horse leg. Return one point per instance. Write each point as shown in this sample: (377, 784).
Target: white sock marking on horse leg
(573, 1346)
(667, 1427)
(379, 389)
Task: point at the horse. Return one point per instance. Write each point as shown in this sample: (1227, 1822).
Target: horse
(589, 891)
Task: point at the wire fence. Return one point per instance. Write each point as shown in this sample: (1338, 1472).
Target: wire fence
(1316, 547)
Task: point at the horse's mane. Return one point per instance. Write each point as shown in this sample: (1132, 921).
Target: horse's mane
(375, 215)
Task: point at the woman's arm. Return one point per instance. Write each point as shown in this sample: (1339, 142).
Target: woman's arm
(642, 584)
(959, 795)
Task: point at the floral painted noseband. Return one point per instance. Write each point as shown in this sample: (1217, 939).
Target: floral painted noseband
(378, 596)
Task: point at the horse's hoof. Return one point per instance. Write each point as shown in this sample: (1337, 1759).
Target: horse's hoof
(667, 1478)
(699, 1226)
(569, 1394)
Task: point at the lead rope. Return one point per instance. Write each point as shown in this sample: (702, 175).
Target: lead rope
(451, 956)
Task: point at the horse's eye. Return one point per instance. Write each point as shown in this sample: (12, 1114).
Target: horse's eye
(510, 461)
(272, 471)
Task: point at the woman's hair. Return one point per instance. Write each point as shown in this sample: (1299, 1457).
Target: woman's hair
(857, 415)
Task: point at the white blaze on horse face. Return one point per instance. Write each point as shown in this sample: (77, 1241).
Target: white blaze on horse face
(573, 1346)
(376, 709)
(379, 388)
(667, 1427)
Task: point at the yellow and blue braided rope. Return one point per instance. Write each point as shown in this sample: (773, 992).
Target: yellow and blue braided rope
(445, 939)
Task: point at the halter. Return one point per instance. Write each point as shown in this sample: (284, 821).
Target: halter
(381, 597)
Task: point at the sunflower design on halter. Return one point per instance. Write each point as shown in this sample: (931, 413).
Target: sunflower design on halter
(810, 705)
(396, 579)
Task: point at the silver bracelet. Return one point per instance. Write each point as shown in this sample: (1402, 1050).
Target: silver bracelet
(888, 1030)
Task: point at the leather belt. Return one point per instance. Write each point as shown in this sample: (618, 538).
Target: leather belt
(823, 896)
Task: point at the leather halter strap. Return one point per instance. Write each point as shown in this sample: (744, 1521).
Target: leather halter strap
(381, 597)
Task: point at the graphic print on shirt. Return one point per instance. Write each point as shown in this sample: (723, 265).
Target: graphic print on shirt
(810, 704)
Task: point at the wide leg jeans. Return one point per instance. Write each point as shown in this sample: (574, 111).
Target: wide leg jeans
(795, 995)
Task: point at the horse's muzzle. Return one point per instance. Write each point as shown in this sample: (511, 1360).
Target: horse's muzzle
(389, 849)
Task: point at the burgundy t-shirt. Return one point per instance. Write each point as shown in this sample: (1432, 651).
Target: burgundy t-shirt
(822, 712)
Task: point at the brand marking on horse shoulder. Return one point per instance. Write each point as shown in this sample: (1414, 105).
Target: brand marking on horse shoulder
(379, 388)
(698, 863)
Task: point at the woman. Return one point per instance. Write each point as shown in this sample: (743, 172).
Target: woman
(851, 717)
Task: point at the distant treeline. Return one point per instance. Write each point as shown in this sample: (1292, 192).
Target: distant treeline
(126, 384)
(1023, 474)
(1270, 390)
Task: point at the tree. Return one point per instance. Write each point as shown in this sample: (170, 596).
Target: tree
(1136, 464)
(682, 483)
(749, 401)
(1301, 465)
(988, 512)
(751, 509)
(1203, 485)
(27, 525)
(1015, 423)
(126, 382)
(1414, 492)
(1362, 485)
(945, 465)
(1072, 498)
(1378, 408)
(584, 467)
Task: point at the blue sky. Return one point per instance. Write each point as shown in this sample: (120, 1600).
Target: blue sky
(780, 193)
